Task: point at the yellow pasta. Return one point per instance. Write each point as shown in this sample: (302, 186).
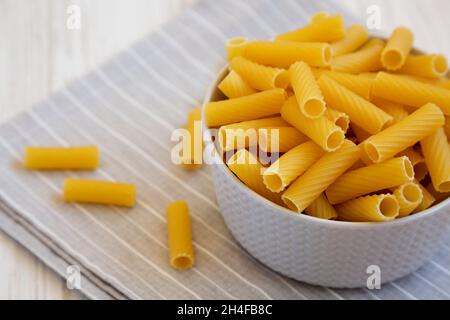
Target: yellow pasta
(99, 192)
(445, 84)
(361, 85)
(432, 66)
(258, 76)
(447, 127)
(361, 112)
(282, 54)
(365, 180)
(235, 47)
(360, 133)
(319, 16)
(179, 234)
(322, 131)
(376, 208)
(340, 119)
(427, 199)
(409, 197)
(438, 196)
(418, 162)
(366, 59)
(248, 169)
(233, 86)
(355, 37)
(245, 134)
(61, 158)
(404, 134)
(397, 48)
(257, 105)
(307, 92)
(323, 29)
(322, 209)
(395, 110)
(410, 92)
(279, 139)
(291, 165)
(436, 151)
(193, 156)
(308, 187)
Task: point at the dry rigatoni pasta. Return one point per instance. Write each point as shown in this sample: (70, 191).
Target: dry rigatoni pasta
(395, 110)
(340, 119)
(61, 158)
(325, 29)
(307, 92)
(258, 76)
(322, 131)
(179, 233)
(439, 196)
(406, 91)
(447, 127)
(279, 139)
(436, 151)
(366, 59)
(432, 66)
(254, 106)
(192, 157)
(360, 133)
(418, 162)
(376, 208)
(282, 54)
(397, 48)
(365, 180)
(235, 47)
(361, 112)
(404, 134)
(355, 37)
(308, 187)
(322, 209)
(291, 165)
(361, 85)
(245, 134)
(409, 197)
(319, 16)
(248, 169)
(233, 86)
(427, 199)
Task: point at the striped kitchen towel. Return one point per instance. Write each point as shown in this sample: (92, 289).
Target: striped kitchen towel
(129, 107)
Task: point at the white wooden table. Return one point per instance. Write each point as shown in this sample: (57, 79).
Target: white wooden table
(39, 54)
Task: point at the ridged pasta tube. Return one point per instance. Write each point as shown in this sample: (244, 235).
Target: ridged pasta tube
(61, 158)
(291, 165)
(307, 92)
(427, 199)
(308, 187)
(397, 48)
(193, 157)
(436, 151)
(355, 36)
(409, 197)
(179, 232)
(418, 162)
(322, 209)
(233, 86)
(447, 127)
(279, 139)
(395, 110)
(366, 59)
(235, 47)
(406, 91)
(258, 76)
(340, 119)
(254, 106)
(376, 208)
(385, 175)
(322, 131)
(325, 29)
(432, 66)
(361, 85)
(282, 54)
(404, 134)
(361, 112)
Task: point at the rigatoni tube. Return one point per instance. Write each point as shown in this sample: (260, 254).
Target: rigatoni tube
(61, 158)
(376, 208)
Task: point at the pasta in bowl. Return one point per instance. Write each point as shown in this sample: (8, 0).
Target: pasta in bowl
(329, 158)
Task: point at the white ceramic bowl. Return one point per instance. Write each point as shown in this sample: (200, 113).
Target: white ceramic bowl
(322, 252)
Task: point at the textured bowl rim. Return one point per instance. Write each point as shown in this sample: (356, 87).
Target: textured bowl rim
(218, 161)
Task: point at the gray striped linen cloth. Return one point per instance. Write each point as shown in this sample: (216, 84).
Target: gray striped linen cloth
(129, 107)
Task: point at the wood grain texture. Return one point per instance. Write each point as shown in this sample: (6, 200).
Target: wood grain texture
(38, 55)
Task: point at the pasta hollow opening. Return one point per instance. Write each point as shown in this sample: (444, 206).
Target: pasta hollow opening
(313, 108)
(273, 182)
(335, 139)
(393, 59)
(182, 262)
(407, 166)
(281, 79)
(440, 65)
(372, 152)
(389, 207)
(291, 205)
(411, 193)
(343, 123)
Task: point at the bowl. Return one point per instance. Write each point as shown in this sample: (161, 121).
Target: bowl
(322, 252)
